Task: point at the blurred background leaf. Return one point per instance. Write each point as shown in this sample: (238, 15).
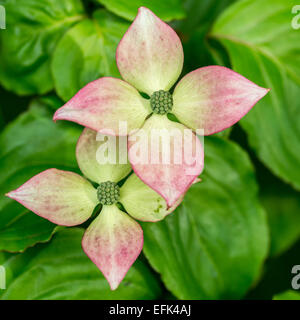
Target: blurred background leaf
(30, 144)
(1, 119)
(276, 276)
(193, 30)
(287, 295)
(166, 9)
(11, 105)
(213, 246)
(201, 13)
(32, 31)
(87, 52)
(60, 270)
(282, 204)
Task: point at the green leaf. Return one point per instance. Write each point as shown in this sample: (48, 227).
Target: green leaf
(201, 13)
(87, 52)
(193, 30)
(59, 270)
(287, 295)
(33, 29)
(273, 125)
(30, 144)
(282, 204)
(166, 9)
(267, 28)
(214, 244)
(11, 105)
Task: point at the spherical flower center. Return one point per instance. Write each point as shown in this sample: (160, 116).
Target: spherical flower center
(108, 193)
(161, 102)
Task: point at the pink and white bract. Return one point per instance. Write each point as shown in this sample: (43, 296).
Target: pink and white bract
(114, 239)
(150, 59)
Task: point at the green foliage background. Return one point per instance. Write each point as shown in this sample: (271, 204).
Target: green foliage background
(237, 233)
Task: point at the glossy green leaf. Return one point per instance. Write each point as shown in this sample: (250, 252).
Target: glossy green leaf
(87, 52)
(287, 295)
(166, 9)
(60, 270)
(33, 28)
(214, 244)
(266, 58)
(265, 27)
(30, 144)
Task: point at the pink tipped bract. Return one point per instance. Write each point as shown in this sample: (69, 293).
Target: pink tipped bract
(172, 175)
(103, 103)
(113, 242)
(214, 98)
(150, 54)
(62, 197)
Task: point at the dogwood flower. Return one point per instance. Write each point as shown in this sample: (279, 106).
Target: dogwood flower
(114, 239)
(150, 59)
